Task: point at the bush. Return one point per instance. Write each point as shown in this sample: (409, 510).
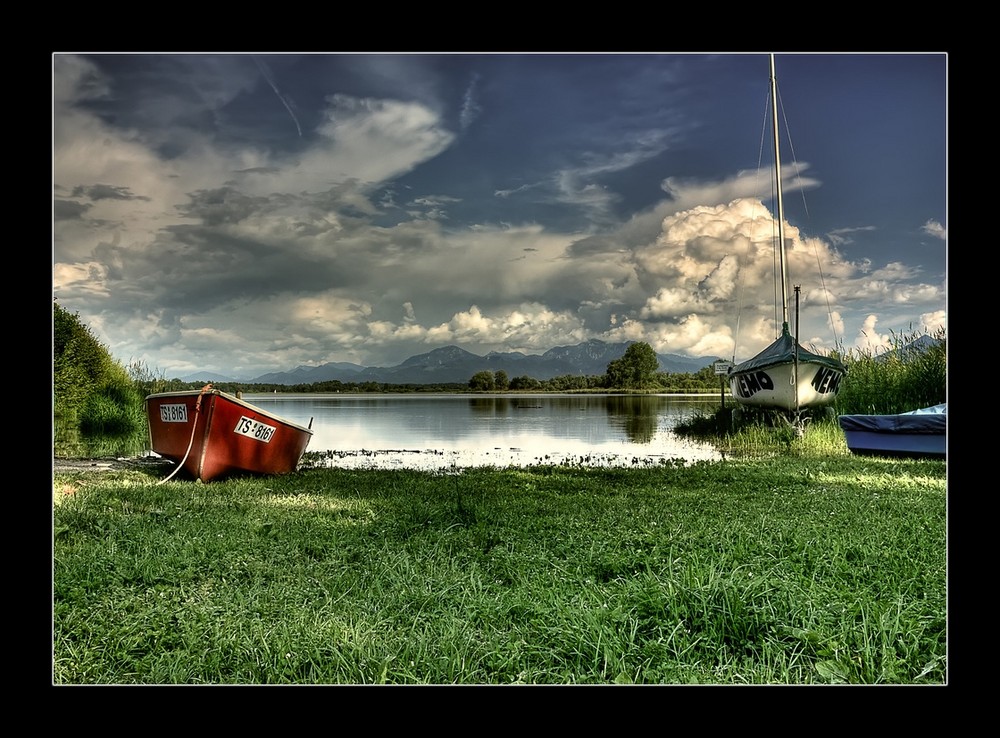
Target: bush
(80, 362)
(90, 389)
(115, 408)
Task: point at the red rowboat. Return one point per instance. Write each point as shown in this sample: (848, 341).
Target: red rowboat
(211, 434)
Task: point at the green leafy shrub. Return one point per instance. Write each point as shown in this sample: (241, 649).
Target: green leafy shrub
(91, 390)
(114, 408)
(80, 362)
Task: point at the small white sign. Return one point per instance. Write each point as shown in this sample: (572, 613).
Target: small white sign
(723, 367)
(174, 413)
(254, 429)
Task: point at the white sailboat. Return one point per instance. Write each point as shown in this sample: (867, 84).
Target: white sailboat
(785, 376)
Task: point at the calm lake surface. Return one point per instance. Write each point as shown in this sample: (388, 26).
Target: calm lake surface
(443, 431)
(438, 430)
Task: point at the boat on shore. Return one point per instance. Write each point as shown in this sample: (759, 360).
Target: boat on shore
(211, 434)
(918, 433)
(785, 376)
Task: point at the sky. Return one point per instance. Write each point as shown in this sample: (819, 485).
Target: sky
(243, 213)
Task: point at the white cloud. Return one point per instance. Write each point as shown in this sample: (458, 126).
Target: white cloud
(933, 228)
(934, 321)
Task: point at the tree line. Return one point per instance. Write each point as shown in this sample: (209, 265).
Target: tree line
(635, 370)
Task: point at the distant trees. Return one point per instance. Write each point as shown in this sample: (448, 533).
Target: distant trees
(483, 381)
(635, 369)
(525, 383)
(486, 381)
(500, 380)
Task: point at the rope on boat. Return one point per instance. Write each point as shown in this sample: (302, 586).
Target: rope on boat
(194, 426)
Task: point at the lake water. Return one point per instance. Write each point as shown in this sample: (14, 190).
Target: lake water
(445, 430)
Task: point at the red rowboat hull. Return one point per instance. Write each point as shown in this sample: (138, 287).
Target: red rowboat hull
(212, 434)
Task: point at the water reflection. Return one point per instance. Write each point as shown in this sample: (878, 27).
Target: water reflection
(540, 424)
(639, 417)
(636, 417)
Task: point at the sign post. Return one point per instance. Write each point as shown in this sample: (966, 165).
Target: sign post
(722, 368)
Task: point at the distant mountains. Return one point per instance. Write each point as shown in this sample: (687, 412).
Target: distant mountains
(453, 364)
(913, 348)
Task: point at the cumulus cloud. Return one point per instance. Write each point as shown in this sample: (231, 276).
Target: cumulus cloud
(934, 322)
(198, 236)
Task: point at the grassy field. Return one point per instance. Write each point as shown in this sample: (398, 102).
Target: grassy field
(789, 569)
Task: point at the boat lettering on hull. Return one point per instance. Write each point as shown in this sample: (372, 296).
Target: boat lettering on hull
(827, 380)
(748, 385)
(173, 413)
(788, 386)
(254, 429)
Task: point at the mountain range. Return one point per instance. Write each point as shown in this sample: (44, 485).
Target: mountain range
(453, 364)
(913, 348)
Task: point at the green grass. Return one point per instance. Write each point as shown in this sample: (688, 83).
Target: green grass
(765, 435)
(796, 569)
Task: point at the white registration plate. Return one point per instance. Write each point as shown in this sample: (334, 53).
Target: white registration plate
(174, 413)
(255, 429)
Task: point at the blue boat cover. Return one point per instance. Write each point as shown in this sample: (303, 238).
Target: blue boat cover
(931, 420)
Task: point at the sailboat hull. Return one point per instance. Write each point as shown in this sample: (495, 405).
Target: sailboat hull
(778, 387)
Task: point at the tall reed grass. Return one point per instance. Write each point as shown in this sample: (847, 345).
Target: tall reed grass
(911, 373)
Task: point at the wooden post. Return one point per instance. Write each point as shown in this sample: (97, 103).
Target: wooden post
(722, 368)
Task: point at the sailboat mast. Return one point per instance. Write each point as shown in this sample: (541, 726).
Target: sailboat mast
(781, 209)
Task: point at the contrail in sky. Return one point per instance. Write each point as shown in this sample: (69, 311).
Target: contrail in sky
(270, 80)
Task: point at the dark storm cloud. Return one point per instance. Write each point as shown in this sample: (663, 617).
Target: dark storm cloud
(69, 210)
(231, 211)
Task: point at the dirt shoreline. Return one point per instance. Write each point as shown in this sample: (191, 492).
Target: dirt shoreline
(427, 460)
(60, 464)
